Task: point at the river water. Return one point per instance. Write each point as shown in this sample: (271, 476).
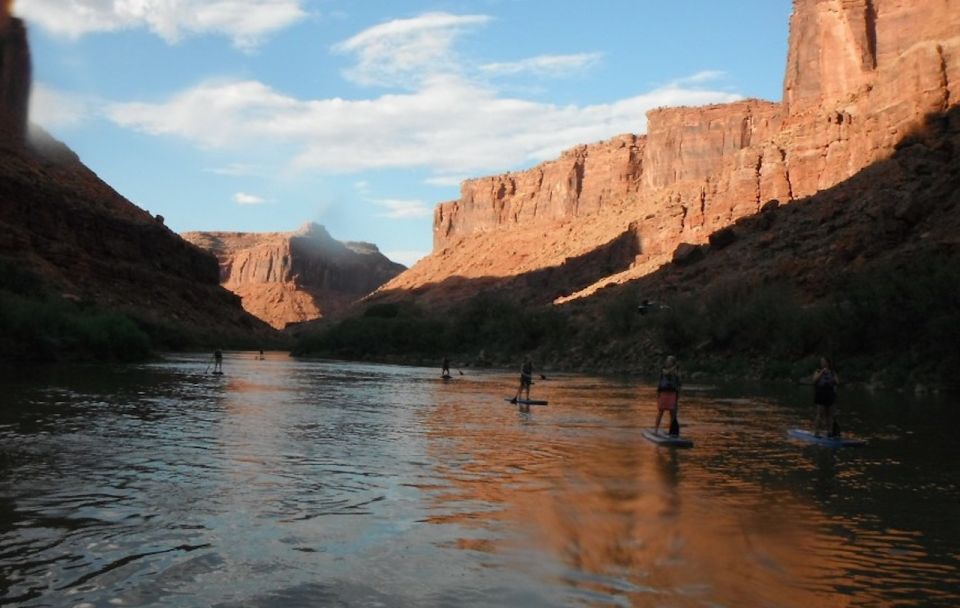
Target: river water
(308, 483)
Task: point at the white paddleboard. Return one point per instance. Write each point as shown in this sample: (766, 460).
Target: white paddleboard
(667, 440)
(833, 442)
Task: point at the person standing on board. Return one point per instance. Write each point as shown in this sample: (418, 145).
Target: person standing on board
(825, 382)
(668, 393)
(445, 369)
(526, 379)
(217, 361)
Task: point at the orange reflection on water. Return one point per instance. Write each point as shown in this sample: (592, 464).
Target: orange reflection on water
(617, 516)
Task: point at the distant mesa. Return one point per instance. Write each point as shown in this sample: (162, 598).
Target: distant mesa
(293, 277)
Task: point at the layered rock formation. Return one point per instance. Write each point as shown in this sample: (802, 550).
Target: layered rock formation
(861, 75)
(59, 220)
(291, 277)
(14, 77)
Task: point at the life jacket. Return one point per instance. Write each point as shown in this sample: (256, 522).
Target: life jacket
(669, 381)
(827, 379)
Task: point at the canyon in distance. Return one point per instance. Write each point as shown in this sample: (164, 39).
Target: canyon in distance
(853, 170)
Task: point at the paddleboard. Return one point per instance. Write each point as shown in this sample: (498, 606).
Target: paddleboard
(217, 373)
(446, 376)
(833, 442)
(525, 401)
(667, 440)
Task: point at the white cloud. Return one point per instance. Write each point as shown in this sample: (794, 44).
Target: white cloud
(446, 122)
(54, 109)
(544, 65)
(407, 258)
(246, 22)
(242, 198)
(445, 181)
(404, 209)
(401, 51)
(698, 78)
(449, 125)
(235, 170)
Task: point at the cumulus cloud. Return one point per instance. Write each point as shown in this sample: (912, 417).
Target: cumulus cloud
(399, 52)
(404, 209)
(53, 109)
(449, 125)
(444, 181)
(552, 66)
(242, 198)
(442, 119)
(246, 22)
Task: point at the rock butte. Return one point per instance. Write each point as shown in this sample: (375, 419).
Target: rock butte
(292, 277)
(861, 75)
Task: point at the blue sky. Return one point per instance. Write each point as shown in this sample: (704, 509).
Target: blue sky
(261, 115)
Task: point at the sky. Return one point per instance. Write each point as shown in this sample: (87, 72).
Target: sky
(262, 115)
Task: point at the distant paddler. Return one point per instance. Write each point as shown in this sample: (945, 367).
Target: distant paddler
(526, 379)
(445, 368)
(825, 383)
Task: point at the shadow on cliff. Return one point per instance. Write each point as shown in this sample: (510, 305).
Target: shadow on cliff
(866, 270)
(533, 288)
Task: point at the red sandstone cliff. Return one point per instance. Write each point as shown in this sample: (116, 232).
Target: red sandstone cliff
(861, 75)
(291, 277)
(59, 220)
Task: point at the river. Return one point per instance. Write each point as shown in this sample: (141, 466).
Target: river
(292, 482)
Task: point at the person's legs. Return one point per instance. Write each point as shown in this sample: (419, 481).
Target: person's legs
(829, 420)
(656, 427)
(816, 420)
(674, 425)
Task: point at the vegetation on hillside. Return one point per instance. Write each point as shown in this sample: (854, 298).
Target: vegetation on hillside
(37, 324)
(490, 328)
(893, 323)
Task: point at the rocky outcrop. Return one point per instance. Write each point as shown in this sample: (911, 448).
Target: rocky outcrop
(89, 243)
(14, 78)
(291, 277)
(861, 76)
(58, 219)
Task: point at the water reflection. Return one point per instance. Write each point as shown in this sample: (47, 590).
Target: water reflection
(299, 483)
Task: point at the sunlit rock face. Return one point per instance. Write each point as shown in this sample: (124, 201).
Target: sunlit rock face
(291, 277)
(14, 77)
(861, 75)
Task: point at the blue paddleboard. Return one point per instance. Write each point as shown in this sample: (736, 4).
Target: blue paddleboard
(525, 401)
(667, 440)
(832, 442)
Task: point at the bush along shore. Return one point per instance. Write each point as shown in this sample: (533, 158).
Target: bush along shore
(39, 325)
(895, 326)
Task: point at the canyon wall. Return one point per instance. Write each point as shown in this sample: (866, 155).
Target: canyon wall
(15, 72)
(861, 75)
(86, 241)
(291, 277)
